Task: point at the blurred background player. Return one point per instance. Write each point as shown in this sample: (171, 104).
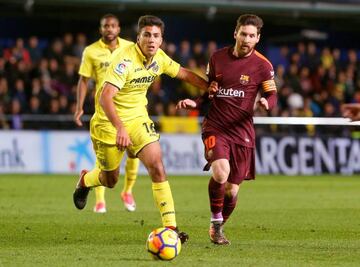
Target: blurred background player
(236, 74)
(95, 60)
(351, 111)
(121, 121)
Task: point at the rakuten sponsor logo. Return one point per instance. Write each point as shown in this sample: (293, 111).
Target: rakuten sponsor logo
(223, 92)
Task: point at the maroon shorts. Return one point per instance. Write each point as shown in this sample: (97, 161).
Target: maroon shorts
(241, 158)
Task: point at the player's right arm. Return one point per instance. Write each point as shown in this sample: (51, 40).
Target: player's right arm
(192, 103)
(351, 111)
(213, 78)
(81, 91)
(106, 101)
(85, 72)
(186, 104)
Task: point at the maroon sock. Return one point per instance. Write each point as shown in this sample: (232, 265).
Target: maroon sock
(229, 206)
(216, 195)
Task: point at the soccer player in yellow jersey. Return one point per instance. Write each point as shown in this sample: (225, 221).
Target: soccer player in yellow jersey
(121, 122)
(96, 59)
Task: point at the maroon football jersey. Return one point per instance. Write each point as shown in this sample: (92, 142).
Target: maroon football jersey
(239, 81)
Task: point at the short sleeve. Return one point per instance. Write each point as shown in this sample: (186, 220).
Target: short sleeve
(170, 67)
(268, 83)
(117, 73)
(86, 68)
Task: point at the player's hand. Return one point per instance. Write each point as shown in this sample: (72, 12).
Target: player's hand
(212, 89)
(186, 103)
(351, 111)
(77, 117)
(263, 103)
(122, 139)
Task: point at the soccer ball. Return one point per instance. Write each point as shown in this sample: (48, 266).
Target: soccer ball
(163, 244)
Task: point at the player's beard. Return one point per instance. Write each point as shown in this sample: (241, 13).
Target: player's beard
(109, 38)
(245, 50)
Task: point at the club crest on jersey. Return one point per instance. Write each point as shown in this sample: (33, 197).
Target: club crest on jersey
(120, 68)
(154, 66)
(244, 79)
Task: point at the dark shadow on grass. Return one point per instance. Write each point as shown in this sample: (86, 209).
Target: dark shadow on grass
(134, 259)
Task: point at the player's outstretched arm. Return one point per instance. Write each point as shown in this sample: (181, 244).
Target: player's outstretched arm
(351, 111)
(192, 103)
(192, 78)
(81, 91)
(106, 102)
(186, 104)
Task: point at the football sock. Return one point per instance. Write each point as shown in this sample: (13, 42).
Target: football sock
(216, 195)
(165, 203)
(91, 179)
(131, 168)
(100, 194)
(229, 206)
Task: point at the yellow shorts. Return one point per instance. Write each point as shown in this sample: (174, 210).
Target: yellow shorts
(141, 131)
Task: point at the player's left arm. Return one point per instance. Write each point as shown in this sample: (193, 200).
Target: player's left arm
(268, 99)
(174, 70)
(192, 78)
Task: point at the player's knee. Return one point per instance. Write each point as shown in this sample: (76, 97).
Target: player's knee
(221, 170)
(111, 178)
(111, 183)
(220, 174)
(156, 171)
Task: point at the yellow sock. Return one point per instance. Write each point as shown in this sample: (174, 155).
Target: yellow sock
(100, 194)
(131, 169)
(165, 203)
(91, 179)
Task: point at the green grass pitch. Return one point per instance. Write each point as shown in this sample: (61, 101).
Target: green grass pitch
(279, 221)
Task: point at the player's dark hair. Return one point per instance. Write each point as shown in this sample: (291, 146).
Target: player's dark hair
(108, 16)
(149, 20)
(249, 19)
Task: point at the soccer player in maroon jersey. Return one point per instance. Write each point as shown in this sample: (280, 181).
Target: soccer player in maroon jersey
(236, 75)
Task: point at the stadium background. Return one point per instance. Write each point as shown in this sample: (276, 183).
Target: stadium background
(302, 218)
(312, 45)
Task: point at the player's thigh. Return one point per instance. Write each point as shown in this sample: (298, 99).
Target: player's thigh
(242, 164)
(151, 156)
(142, 132)
(216, 147)
(220, 170)
(108, 157)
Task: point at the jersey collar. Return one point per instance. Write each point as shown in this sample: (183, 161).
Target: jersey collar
(140, 54)
(142, 57)
(103, 45)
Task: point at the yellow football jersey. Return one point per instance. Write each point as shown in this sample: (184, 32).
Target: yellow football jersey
(128, 73)
(96, 58)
